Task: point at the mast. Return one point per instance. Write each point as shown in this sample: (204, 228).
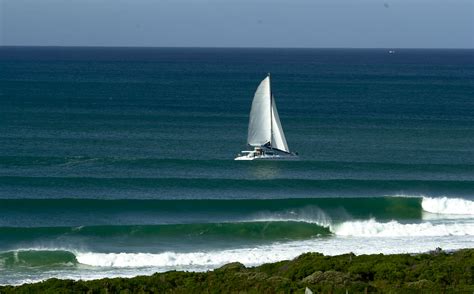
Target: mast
(271, 110)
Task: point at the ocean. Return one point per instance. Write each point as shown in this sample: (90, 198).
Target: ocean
(119, 161)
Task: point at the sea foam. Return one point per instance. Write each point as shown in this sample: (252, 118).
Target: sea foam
(372, 228)
(446, 205)
(349, 237)
(207, 260)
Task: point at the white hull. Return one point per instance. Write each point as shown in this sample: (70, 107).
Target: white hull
(268, 157)
(258, 154)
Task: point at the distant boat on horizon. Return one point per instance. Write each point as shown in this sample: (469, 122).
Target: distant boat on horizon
(265, 132)
(391, 51)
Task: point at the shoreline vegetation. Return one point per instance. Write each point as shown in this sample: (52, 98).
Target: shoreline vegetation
(434, 272)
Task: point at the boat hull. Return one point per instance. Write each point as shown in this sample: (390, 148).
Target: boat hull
(268, 157)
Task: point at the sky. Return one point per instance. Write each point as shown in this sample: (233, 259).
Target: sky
(239, 23)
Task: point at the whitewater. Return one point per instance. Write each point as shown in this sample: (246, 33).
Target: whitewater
(357, 236)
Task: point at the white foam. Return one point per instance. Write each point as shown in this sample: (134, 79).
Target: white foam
(173, 259)
(272, 253)
(372, 228)
(97, 265)
(446, 205)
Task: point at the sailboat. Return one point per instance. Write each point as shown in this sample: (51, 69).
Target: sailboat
(265, 133)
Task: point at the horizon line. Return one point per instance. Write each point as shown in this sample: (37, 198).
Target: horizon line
(240, 47)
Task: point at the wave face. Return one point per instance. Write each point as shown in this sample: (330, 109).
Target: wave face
(255, 229)
(37, 258)
(444, 205)
(93, 212)
(158, 238)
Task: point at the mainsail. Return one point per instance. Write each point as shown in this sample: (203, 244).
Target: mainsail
(260, 120)
(264, 123)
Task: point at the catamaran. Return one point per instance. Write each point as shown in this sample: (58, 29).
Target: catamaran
(265, 133)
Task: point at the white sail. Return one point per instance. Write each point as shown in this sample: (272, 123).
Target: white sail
(259, 132)
(265, 132)
(278, 137)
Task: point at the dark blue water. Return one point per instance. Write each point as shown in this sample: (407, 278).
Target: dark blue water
(86, 134)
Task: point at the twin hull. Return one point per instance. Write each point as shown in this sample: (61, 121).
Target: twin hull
(268, 157)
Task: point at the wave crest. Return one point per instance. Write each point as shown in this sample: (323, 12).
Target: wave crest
(372, 228)
(447, 205)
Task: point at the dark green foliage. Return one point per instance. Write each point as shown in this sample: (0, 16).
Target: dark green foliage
(436, 272)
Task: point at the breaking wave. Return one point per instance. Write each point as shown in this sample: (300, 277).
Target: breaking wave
(446, 205)
(30, 258)
(250, 231)
(93, 263)
(372, 228)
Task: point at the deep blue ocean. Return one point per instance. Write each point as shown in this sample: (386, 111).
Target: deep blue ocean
(119, 161)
